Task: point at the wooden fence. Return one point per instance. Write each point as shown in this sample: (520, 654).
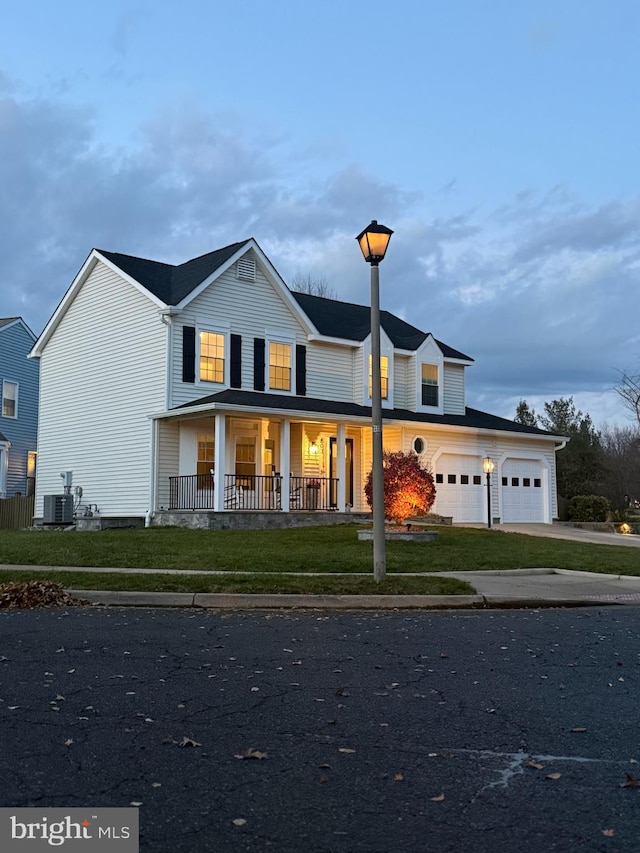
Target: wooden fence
(16, 512)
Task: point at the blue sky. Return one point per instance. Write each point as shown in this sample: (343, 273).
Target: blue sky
(498, 139)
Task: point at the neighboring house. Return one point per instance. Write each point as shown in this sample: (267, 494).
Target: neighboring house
(19, 412)
(211, 386)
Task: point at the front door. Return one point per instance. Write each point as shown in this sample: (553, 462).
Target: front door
(333, 469)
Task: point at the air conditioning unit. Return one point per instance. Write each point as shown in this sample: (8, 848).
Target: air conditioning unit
(58, 509)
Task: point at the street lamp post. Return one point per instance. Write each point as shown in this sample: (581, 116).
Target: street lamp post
(373, 243)
(487, 466)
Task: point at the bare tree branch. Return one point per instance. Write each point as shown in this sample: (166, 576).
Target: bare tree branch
(314, 286)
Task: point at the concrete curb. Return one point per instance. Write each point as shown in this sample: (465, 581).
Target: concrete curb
(253, 601)
(239, 601)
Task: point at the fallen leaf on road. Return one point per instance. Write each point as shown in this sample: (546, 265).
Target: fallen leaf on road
(398, 777)
(579, 729)
(186, 741)
(68, 741)
(238, 821)
(250, 752)
(631, 782)
(534, 764)
(553, 776)
(346, 750)
(609, 832)
(437, 799)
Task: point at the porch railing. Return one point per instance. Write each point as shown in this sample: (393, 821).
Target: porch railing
(252, 492)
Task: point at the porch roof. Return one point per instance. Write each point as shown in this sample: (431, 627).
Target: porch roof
(258, 400)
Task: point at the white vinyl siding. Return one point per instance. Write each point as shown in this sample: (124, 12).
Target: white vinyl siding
(403, 393)
(329, 371)
(168, 454)
(454, 400)
(102, 373)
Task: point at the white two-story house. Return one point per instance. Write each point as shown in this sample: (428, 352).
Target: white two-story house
(210, 387)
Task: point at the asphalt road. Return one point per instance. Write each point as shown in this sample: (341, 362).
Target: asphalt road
(464, 731)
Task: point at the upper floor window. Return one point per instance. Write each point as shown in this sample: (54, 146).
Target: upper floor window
(9, 399)
(279, 366)
(429, 385)
(384, 377)
(212, 357)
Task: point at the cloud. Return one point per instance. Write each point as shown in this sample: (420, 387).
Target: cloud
(541, 290)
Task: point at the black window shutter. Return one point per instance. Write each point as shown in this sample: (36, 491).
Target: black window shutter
(258, 364)
(188, 354)
(301, 370)
(236, 361)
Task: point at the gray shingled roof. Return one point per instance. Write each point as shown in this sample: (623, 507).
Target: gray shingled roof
(168, 282)
(4, 321)
(353, 322)
(346, 320)
(260, 400)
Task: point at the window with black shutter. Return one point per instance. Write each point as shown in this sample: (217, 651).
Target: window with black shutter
(258, 364)
(301, 370)
(235, 378)
(188, 354)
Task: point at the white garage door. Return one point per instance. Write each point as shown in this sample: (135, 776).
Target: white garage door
(459, 490)
(522, 491)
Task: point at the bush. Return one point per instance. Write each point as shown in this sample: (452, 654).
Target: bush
(408, 487)
(589, 508)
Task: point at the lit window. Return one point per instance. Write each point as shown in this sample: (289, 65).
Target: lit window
(205, 454)
(384, 377)
(429, 385)
(211, 357)
(9, 399)
(280, 367)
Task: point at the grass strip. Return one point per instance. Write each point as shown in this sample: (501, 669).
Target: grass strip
(251, 583)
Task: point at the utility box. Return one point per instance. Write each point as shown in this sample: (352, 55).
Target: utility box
(58, 509)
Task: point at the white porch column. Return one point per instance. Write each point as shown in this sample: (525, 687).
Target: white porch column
(219, 461)
(285, 462)
(341, 467)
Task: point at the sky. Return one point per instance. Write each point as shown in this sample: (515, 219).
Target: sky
(499, 139)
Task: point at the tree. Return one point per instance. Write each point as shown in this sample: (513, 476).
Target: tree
(579, 463)
(621, 465)
(314, 286)
(525, 415)
(629, 389)
(408, 486)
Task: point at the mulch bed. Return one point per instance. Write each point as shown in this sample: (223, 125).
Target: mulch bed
(25, 595)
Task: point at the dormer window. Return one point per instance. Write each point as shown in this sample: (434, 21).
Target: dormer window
(429, 385)
(384, 377)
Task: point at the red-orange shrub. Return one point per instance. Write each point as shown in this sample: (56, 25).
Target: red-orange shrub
(408, 486)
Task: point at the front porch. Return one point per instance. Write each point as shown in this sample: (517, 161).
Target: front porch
(254, 492)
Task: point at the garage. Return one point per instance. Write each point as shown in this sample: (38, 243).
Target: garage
(459, 491)
(522, 490)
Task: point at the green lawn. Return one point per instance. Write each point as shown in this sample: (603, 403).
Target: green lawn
(266, 582)
(317, 549)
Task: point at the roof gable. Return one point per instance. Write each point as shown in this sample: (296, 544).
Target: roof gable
(7, 322)
(168, 282)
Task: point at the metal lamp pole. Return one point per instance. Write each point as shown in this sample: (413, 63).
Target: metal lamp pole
(488, 466)
(373, 243)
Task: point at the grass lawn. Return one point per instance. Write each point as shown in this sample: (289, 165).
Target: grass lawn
(332, 550)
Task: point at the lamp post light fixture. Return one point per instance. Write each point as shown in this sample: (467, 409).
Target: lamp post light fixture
(373, 243)
(487, 466)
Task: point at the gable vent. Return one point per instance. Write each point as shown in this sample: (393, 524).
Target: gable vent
(247, 269)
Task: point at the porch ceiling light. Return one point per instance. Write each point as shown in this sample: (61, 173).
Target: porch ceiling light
(313, 448)
(373, 242)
